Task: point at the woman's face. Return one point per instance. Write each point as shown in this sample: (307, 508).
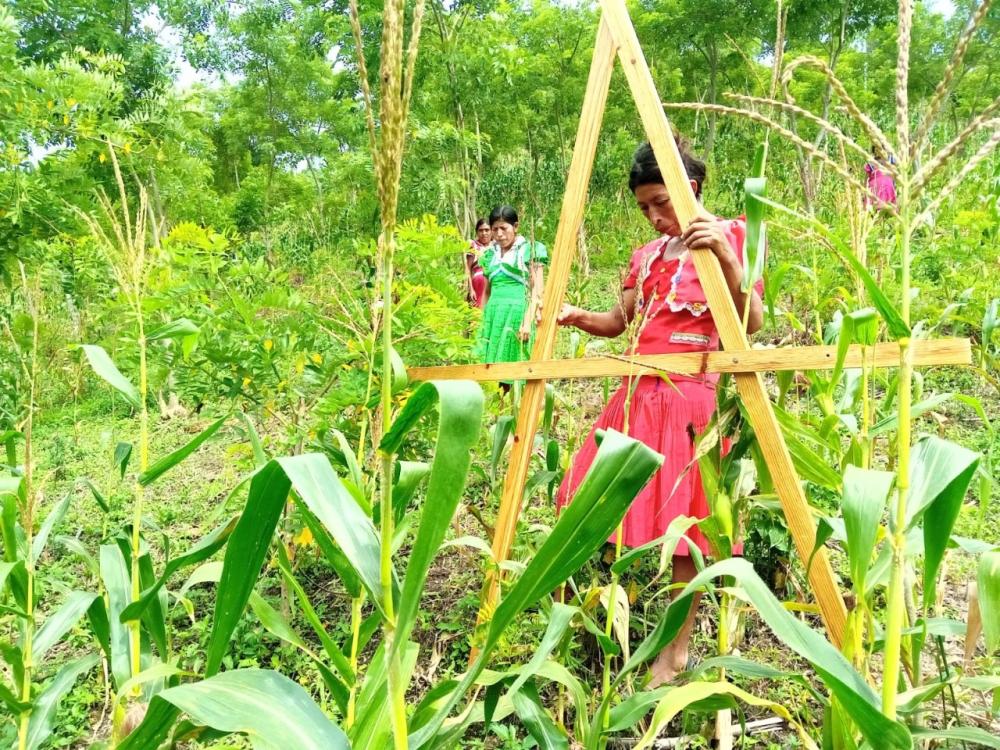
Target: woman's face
(484, 235)
(504, 233)
(654, 202)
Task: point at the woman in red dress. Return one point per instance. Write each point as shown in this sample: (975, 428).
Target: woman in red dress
(662, 288)
(475, 279)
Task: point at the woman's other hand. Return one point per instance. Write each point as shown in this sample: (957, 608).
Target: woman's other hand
(569, 315)
(524, 332)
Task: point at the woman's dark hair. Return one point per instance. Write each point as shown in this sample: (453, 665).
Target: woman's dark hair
(645, 170)
(503, 213)
(481, 223)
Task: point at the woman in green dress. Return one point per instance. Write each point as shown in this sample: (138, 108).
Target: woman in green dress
(513, 268)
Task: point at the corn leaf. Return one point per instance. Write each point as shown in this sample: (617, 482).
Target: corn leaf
(59, 623)
(177, 329)
(169, 461)
(853, 692)
(272, 710)
(115, 576)
(245, 554)
(988, 578)
(54, 517)
(47, 703)
(106, 369)
(679, 698)
(528, 706)
(460, 410)
(866, 492)
(203, 549)
(620, 470)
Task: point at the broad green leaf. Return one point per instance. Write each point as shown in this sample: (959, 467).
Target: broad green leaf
(278, 626)
(123, 452)
(59, 623)
(209, 572)
(332, 650)
(677, 699)
(529, 709)
(501, 434)
(53, 519)
(274, 712)
(809, 464)
(203, 549)
(988, 578)
(556, 672)
(47, 702)
(106, 369)
(245, 555)
(866, 492)
(159, 671)
(978, 737)
(353, 468)
(399, 377)
(333, 554)
(259, 456)
(940, 474)
(116, 579)
(409, 475)
(177, 329)
(15, 576)
(755, 242)
(11, 701)
(460, 408)
(853, 692)
(169, 461)
(560, 617)
(627, 714)
(154, 728)
(101, 501)
(317, 485)
(620, 470)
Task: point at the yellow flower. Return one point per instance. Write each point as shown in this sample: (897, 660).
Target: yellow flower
(316, 358)
(268, 345)
(127, 148)
(71, 103)
(304, 538)
(246, 381)
(65, 119)
(101, 157)
(300, 366)
(50, 104)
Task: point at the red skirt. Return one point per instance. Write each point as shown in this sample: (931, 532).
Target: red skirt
(666, 417)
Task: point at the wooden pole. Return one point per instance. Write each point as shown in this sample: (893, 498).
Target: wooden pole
(750, 385)
(563, 252)
(931, 352)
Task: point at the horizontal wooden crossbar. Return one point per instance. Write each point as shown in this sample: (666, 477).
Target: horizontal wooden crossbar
(931, 352)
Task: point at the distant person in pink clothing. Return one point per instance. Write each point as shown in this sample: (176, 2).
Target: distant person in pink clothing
(881, 188)
(662, 286)
(475, 280)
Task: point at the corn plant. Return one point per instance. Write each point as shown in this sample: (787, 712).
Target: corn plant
(32, 706)
(917, 504)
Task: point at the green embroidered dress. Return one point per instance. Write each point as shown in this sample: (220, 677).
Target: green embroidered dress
(509, 275)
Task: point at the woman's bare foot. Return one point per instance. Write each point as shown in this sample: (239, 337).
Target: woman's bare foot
(670, 663)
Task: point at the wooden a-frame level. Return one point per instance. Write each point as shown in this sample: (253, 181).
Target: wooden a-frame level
(616, 37)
